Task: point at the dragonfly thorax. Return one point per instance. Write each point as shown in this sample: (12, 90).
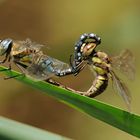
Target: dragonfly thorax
(101, 63)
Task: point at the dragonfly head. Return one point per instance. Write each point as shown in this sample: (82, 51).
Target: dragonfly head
(86, 45)
(5, 46)
(87, 49)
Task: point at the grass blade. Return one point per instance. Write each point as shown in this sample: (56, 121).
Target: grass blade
(12, 130)
(116, 117)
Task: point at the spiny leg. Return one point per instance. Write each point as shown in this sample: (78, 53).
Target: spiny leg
(14, 76)
(9, 77)
(21, 67)
(4, 60)
(76, 68)
(80, 67)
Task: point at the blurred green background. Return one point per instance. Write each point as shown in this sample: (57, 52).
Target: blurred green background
(58, 24)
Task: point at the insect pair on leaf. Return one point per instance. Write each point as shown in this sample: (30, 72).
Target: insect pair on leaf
(30, 59)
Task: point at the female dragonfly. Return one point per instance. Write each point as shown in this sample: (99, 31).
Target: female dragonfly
(103, 66)
(29, 58)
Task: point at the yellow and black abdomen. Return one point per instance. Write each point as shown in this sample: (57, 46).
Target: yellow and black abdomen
(99, 85)
(100, 68)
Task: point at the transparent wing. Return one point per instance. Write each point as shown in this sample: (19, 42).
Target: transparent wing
(59, 65)
(125, 63)
(22, 45)
(121, 89)
(44, 67)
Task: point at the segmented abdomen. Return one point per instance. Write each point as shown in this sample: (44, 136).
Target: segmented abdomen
(99, 85)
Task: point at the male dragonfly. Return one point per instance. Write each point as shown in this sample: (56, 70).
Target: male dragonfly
(103, 66)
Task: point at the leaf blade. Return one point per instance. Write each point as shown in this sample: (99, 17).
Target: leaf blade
(111, 115)
(12, 130)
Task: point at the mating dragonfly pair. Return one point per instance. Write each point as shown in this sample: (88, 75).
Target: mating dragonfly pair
(30, 59)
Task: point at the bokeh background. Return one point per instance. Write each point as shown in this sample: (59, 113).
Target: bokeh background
(58, 24)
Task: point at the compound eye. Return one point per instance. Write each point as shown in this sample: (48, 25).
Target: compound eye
(88, 49)
(4, 45)
(82, 47)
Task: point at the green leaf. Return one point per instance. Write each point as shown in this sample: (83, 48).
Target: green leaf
(116, 117)
(12, 130)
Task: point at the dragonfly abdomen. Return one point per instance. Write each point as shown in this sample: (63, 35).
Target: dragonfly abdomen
(99, 85)
(100, 67)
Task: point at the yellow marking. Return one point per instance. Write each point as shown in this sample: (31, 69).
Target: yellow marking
(26, 59)
(96, 60)
(99, 82)
(101, 77)
(102, 55)
(99, 70)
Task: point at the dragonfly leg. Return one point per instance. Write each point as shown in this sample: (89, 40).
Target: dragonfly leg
(76, 65)
(51, 81)
(79, 68)
(3, 61)
(20, 67)
(14, 76)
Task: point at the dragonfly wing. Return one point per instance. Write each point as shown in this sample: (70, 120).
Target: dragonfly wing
(125, 63)
(59, 65)
(38, 73)
(121, 89)
(45, 67)
(31, 44)
(41, 68)
(22, 45)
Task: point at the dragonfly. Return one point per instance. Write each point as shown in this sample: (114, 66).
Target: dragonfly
(30, 59)
(103, 66)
